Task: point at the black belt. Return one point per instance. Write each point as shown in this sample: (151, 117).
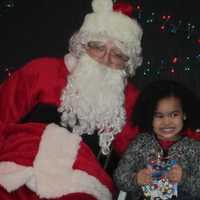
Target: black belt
(43, 113)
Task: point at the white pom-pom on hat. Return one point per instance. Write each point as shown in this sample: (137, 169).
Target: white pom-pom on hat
(102, 6)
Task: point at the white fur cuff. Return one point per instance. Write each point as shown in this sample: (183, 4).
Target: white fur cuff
(52, 174)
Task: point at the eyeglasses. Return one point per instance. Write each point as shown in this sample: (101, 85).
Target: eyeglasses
(99, 49)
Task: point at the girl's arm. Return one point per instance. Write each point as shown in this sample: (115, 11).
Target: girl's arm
(125, 174)
(190, 182)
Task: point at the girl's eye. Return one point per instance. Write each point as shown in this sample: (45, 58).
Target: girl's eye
(174, 114)
(157, 115)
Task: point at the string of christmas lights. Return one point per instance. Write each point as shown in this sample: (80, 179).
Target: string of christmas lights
(188, 32)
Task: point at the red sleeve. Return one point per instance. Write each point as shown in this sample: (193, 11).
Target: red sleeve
(21, 143)
(39, 81)
(129, 132)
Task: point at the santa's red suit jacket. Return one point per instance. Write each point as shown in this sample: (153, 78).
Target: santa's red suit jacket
(43, 160)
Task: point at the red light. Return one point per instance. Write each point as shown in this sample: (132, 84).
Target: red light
(172, 70)
(162, 27)
(138, 7)
(169, 17)
(174, 60)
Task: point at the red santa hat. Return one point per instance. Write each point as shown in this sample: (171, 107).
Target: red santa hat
(110, 22)
(114, 24)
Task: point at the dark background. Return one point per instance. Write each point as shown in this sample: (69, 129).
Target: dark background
(35, 28)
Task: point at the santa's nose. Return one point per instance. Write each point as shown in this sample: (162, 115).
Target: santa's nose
(106, 58)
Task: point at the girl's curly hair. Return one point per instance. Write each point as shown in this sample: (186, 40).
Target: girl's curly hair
(157, 90)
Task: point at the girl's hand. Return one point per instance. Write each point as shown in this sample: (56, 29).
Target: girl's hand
(175, 174)
(144, 176)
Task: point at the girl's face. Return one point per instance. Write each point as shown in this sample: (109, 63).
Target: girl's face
(168, 119)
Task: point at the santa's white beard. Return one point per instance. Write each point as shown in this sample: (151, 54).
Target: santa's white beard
(94, 100)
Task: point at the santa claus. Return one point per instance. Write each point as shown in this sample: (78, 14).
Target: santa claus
(53, 110)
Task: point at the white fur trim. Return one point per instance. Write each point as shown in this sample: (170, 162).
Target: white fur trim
(53, 170)
(114, 24)
(52, 175)
(102, 5)
(12, 175)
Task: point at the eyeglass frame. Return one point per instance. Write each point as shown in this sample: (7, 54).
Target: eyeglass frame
(98, 50)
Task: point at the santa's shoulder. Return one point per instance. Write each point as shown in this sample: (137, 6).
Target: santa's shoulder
(43, 67)
(44, 64)
(131, 91)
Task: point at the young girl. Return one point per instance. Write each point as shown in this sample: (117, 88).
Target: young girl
(164, 112)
